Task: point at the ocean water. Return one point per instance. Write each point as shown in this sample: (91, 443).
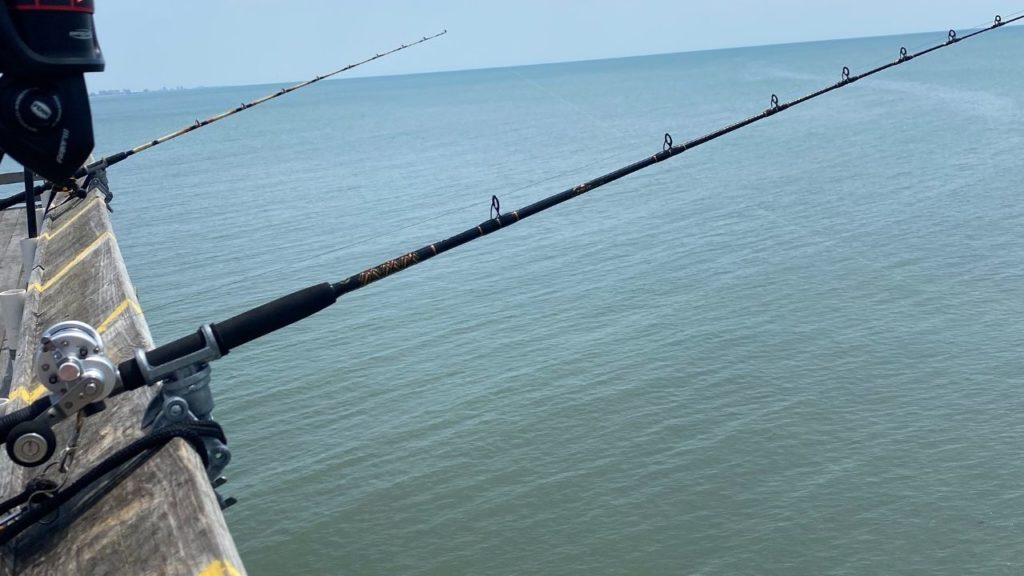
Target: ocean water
(794, 350)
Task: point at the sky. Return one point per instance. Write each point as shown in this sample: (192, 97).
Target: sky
(189, 43)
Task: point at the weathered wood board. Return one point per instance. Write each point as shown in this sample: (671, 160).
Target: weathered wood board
(164, 517)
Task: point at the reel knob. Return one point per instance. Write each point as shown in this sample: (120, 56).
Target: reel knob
(31, 443)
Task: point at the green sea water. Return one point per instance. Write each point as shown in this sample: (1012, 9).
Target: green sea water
(795, 350)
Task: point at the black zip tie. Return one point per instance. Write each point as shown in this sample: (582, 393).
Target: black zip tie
(668, 142)
(495, 207)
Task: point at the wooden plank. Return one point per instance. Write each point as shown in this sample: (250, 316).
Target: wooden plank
(163, 518)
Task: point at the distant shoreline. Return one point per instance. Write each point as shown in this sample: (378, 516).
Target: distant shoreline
(121, 91)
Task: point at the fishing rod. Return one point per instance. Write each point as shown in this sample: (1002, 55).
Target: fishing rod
(71, 363)
(105, 162)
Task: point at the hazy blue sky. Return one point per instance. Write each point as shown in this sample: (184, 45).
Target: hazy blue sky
(149, 44)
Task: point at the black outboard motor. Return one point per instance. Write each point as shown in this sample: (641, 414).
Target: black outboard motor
(45, 47)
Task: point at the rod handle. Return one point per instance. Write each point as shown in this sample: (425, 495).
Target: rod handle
(237, 330)
(272, 316)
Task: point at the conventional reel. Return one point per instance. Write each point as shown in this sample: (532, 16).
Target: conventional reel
(70, 361)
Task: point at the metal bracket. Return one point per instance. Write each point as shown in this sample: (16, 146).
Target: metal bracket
(208, 353)
(185, 396)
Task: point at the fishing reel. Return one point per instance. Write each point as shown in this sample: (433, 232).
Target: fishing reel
(71, 364)
(45, 47)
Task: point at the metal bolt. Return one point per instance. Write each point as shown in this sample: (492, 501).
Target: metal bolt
(45, 367)
(91, 388)
(63, 343)
(53, 378)
(218, 455)
(176, 410)
(96, 349)
(83, 352)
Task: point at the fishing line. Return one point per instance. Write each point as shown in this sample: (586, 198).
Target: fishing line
(579, 109)
(617, 135)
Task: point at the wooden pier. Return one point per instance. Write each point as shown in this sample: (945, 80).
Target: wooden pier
(162, 518)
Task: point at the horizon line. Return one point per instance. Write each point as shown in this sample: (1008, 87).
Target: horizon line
(357, 76)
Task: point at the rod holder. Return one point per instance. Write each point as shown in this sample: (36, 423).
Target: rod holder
(28, 258)
(12, 307)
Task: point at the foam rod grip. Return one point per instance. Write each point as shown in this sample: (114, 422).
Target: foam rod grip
(275, 314)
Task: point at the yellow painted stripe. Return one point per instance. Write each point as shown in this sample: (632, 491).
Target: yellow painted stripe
(28, 395)
(74, 262)
(220, 568)
(124, 305)
(50, 235)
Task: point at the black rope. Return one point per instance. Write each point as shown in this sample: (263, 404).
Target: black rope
(191, 432)
(34, 486)
(408, 259)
